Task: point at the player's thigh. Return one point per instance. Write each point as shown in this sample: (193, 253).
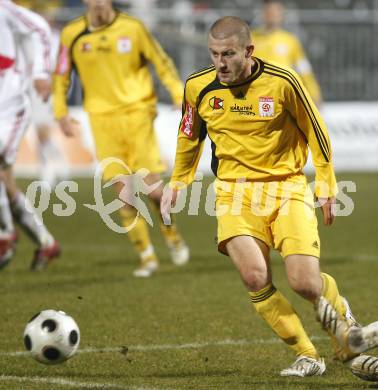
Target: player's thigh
(247, 251)
(42, 113)
(13, 124)
(295, 229)
(10, 183)
(154, 181)
(111, 149)
(143, 141)
(240, 220)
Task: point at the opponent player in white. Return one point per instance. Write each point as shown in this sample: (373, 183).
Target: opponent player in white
(52, 163)
(19, 28)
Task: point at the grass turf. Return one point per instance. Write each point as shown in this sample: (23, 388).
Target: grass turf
(186, 328)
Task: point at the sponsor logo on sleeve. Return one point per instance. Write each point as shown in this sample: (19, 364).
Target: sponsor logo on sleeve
(266, 106)
(187, 121)
(63, 60)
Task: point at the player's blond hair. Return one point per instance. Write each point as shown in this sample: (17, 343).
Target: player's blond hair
(229, 26)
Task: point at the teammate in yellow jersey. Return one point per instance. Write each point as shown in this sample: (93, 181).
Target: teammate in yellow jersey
(261, 121)
(273, 43)
(111, 52)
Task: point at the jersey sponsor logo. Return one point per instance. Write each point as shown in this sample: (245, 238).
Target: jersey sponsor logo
(216, 103)
(266, 106)
(281, 49)
(63, 60)
(124, 45)
(86, 47)
(243, 110)
(187, 121)
(104, 48)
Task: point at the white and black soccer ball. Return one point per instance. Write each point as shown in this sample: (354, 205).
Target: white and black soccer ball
(51, 337)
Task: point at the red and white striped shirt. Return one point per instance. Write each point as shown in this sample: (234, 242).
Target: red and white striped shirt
(25, 51)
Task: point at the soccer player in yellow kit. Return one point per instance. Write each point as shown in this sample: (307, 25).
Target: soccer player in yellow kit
(111, 52)
(261, 121)
(272, 43)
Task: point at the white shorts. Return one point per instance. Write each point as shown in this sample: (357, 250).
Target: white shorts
(42, 113)
(14, 121)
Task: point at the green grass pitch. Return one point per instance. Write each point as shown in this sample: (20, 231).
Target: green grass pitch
(185, 328)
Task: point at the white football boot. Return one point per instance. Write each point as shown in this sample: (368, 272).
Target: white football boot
(305, 366)
(179, 253)
(348, 313)
(365, 367)
(146, 269)
(149, 264)
(351, 338)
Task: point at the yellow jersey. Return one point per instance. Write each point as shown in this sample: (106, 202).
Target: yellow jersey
(112, 63)
(260, 129)
(285, 48)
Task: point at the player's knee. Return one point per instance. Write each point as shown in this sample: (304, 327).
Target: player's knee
(155, 197)
(306, 287)
(255, 279)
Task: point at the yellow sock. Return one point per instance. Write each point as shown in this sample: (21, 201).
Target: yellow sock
(275, 309)
(138, 235)
(170, 232)
(331, 293)
(171, 235)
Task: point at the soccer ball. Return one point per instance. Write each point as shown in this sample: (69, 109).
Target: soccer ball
(51, 337)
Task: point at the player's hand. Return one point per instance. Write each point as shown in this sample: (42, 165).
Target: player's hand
(328, 209)
(168, 201)
(67, 125)
(43, 88)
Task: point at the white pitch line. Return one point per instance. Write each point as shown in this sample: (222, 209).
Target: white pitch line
(142, 348)
(165, 347)
(66, 382)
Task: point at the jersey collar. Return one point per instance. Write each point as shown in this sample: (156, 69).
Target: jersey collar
(257, 69)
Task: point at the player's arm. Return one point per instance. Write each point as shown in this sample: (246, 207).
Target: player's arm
(62, 81)
(192, 133)
(303, 67)
(34, 28)
(163, 64)
(310, 123)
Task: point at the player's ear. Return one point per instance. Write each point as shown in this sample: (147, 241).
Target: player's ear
(249, 51)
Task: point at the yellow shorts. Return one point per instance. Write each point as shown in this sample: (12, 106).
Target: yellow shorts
(128, 137)
(280, 213)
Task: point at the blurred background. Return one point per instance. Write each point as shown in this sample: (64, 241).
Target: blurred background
(339, 38)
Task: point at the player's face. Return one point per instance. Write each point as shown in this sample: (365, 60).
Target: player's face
(274, 15)
(232, 61)
(98, 5)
